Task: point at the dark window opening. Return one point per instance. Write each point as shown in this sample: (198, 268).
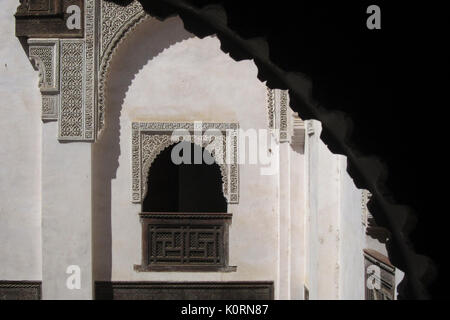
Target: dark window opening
(184, 187)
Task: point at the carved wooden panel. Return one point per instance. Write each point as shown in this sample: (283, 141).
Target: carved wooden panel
(20, 290)
(185, 242)
(258, 290)
(46, 19)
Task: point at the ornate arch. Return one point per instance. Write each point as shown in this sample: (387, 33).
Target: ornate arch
(149, 139)
(116, 23)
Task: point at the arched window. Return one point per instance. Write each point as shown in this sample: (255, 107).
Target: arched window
(184, 219)
(184, 187)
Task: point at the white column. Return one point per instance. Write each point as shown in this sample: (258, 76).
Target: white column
(66, 215)
(352, 238)
(323, 218)
(328, 223)
(297, 217)
(311, 243)
(284, 224)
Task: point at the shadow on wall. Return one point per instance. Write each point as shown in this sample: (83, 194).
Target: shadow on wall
(149, 39)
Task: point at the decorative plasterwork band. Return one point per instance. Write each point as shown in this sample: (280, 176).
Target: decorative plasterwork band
(149, 139)
(91, 52)
(278, 113)
(72, 90)
(45, 55)
(271, 108)
(116, 23)
(286, 125)
(284, 116)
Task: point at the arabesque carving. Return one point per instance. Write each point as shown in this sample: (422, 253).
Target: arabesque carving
(149, 139)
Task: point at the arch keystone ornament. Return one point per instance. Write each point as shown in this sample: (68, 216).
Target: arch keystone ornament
(149, 139)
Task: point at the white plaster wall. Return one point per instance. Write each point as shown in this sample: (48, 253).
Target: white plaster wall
(297, 221)
(291, 226)
(312, 143)
(20, 154)
(334, 231)
(66, 216)
(163, 73)
(351, 234)
(284, 223)
(327, 192)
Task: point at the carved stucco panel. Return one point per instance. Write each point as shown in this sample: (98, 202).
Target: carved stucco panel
(284, 116)
(150, 139)
(44, 53)
(286, 125)
(43, 56)
(271, 107)
(90, 69)
(116, 23)
(67, 79)
(72, 90)
(114, 18)
(278, 113)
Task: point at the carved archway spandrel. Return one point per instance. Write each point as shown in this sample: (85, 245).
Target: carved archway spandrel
(116, 23)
